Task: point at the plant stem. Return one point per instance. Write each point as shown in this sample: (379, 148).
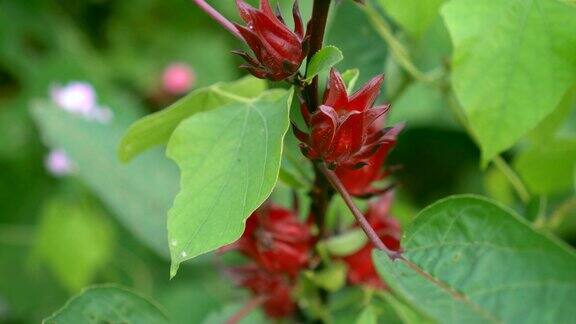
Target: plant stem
(245, 310)
(317, 29)
(218, 18)
(513, 178)
(498, 161)
(372, 235)
(321, 192)
(561, 213)
(398, 50)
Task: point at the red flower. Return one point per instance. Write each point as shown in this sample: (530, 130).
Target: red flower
(274, 289)
(361, 270)
(344, 132)
(276, 239)
(359, 182)
(279, 51)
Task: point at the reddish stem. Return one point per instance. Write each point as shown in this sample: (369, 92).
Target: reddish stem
(372, 235)
(219, 18)
(245, 310)
(317, 28)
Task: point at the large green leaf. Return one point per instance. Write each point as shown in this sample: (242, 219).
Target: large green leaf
(469, 260)
(229, 160)
(547, 168)
(108, 304)
(414, 16)
(155, 129)
(139, 194)
(513, 62)
(75, 240)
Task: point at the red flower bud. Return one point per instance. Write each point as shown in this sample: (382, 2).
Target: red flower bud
(361, 269)
(274, 289)
(277, 240)
(279, 51)
(359, 181)
(344, 131)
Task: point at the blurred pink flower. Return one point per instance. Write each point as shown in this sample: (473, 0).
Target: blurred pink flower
(58, 163)
(79, 98)
(75, 97)
(178, 78)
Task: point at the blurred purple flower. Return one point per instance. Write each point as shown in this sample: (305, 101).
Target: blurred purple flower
(58, 163)
(178, 78)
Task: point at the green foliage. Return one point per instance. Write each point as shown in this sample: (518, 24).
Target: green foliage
(229, 159)
(350, 77)
(331, 279)
(547, 168)
(346, 243)
(350, 32)
(470, 260)
(156, 129)
(414, 16)
(108, 304)
(368, 316)
(513, 63)
(405, 312)
(200, 294)
(75, 240)
(322, 61)
(224, 314)
(421, 104)
(139, 194)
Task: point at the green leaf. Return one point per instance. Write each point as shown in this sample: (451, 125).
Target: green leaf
(75, 240)
(469, 260)
(296, 170)
(549, 128)
(138, 194)
(347, 243)
(350, 78)
(367, 316)
(331, 278)
(108, 304)
(547, 168)
(405, 312)
(156, 129)
(229, 159)
(513, 62)
(414, 16)
(323, 60)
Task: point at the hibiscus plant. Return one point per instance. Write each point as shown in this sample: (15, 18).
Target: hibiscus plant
(286, 190)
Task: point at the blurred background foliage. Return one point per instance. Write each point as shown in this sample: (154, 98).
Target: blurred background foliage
(107, 222)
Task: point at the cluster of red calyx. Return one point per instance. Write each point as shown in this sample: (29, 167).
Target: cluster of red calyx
(361, 270)
(279, 51)
(346, 134)
(280, 246)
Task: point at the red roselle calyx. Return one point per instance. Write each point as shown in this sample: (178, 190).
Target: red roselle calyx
(360, 181)
(274, 289)
(277, 240)
(278, 51)
(361, 269)
(345, 131)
